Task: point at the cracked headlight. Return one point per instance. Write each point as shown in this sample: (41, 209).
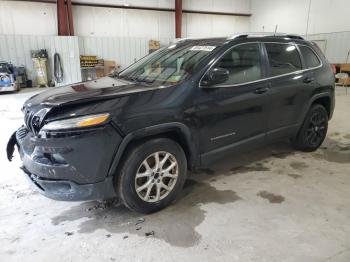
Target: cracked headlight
(76, 122)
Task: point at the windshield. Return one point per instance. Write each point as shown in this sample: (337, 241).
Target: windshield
(168, 65)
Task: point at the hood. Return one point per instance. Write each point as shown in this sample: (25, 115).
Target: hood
(103, 88)
(36, 108)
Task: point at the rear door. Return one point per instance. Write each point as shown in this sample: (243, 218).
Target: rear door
(288, 83)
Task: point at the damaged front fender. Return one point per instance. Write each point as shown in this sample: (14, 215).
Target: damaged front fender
(13, 141)
(10, 149)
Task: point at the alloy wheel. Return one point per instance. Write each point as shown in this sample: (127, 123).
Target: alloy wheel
(317, 128)
(156, 176)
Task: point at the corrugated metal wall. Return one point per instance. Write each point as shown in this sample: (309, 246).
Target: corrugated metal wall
(336, 45)
(124, 51)
(17, 50)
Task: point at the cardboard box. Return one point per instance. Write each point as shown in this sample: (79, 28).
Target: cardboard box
(109, 66)
(344, 68)
(100, 72)
(153, 45)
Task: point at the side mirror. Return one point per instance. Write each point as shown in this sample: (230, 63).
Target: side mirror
(216, 75)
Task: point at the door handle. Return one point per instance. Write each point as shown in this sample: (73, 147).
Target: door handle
(308, 80)
(261, 90)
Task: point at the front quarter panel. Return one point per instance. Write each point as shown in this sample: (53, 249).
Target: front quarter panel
(165, 105)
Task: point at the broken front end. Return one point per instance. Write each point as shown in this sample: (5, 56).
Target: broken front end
(67, 159)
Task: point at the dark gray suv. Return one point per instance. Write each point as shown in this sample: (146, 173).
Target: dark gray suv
(133, 135)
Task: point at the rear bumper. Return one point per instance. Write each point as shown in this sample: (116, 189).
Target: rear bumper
(70, 168)
(8, 88)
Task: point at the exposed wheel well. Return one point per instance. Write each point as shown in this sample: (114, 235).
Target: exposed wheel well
(175, 135)
(324, 101)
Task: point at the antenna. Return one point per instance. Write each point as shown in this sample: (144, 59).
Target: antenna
(276, 29)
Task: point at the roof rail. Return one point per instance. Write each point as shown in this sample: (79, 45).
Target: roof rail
(179, 40)
(265, 34)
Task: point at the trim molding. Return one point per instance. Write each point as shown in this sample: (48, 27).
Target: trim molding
(222, 136)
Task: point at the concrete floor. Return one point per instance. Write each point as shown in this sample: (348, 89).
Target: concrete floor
(274, 204)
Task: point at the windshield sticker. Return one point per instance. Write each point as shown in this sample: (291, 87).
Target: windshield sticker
(206, 48)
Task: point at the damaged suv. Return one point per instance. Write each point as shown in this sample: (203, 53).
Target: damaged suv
(135, 134)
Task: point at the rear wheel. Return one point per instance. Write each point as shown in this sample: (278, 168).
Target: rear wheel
(152, 175)
(314, 129)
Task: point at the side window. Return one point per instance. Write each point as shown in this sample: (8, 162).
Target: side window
(243, 63)
(310, 58)
(283, 58)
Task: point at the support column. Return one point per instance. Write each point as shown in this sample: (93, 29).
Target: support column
(65, 17)
(178, 18)
(70, 17)
(62, 18)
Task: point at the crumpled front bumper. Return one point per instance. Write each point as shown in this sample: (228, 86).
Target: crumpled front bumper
(69, 191)
(69, 168)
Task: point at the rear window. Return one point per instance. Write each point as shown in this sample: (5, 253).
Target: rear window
(310, 58)
(283, 58)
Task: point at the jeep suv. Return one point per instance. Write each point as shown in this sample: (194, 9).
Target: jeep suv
(134, 135)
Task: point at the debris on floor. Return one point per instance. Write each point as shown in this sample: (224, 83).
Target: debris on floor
(139, 221)
(147, 234)
(104, 205)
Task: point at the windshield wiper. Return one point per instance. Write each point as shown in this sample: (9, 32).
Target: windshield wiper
(141, 80)
(114, 74)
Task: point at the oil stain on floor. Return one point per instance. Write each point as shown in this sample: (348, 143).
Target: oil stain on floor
(272, 198)
(334, 151)
(295, 176)
(257, 167)
(298, 165)
(282, 154)
(207, 171)
(175, 224)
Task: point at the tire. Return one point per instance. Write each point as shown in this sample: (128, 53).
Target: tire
(139, 170)
(314, 129)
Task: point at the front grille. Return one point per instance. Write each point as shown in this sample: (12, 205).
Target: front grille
(21, 133)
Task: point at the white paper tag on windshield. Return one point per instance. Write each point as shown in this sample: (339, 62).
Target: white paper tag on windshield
(206, 48)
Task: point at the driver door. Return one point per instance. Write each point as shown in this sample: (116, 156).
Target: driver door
(234, 112)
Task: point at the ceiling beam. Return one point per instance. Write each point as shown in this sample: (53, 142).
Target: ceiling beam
(146, 8)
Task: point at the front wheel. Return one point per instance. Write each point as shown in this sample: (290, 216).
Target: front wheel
(314, 129)
(152, 175)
